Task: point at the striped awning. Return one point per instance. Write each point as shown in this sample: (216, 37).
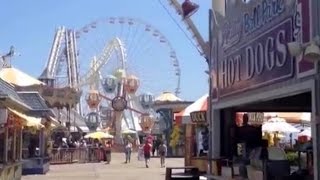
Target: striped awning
(199, 105)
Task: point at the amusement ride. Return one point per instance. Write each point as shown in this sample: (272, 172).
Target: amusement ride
(114, 65)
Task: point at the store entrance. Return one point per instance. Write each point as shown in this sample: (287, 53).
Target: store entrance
(284, 123)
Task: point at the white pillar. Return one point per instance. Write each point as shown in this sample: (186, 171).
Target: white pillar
(315, 117)
(315, 128)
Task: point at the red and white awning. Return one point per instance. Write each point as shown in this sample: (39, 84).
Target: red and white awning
(199, 105)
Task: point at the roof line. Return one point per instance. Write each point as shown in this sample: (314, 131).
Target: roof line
(25, 92)
(22, 104)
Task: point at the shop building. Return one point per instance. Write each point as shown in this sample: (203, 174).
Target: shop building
(252, 69)
(40, 118)
(11, 132)
(167, 105)
(196, 133)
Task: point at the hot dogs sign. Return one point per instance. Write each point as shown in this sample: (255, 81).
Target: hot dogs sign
(249, 46)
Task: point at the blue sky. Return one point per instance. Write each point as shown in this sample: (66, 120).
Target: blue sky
(30, 26)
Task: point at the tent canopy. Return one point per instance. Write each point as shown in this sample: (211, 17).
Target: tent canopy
(167, 96)
(199, 105)
(277, 124)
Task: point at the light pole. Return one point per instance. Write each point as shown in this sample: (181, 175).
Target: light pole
(310, 51)
(187, 9)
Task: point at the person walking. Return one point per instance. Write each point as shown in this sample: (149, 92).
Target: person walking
(153, 148)
(147, 152)
(108, 147)
(128, 150)
(140, 153)
(162, 153)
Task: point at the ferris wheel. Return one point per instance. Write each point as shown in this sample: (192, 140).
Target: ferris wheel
(118, 59)
(149, 53)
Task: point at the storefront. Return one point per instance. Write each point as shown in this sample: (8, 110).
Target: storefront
(10, 132)
(196, 133)
(11, 140)
(34, 130)
(36, 145)
(197, 141)
(37, 131)
(252, 69)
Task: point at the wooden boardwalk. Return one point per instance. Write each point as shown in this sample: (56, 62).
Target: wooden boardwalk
(117, 170)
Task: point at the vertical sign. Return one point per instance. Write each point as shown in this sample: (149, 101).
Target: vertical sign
(213, 65)
(302, 34)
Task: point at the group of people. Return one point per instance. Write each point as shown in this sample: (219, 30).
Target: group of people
(145, 150)
(97, 149)
(101, 149)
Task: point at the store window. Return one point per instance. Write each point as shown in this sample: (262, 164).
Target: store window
(30, 142)
(11, 145)
(201, 141)
(12, 139)
(14, 144)
(248, 134)
(200, 132)
(18, 144)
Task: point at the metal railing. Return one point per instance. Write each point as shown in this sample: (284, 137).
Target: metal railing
(73, 155)
(77, 155)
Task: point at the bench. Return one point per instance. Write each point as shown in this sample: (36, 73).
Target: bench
(189, 172)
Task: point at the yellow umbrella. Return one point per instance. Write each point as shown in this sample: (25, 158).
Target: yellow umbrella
(98, 135)
(128, 131)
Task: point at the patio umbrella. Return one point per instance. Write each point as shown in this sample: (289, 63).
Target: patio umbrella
(128, 131)
(305, 132)
(98, 135)
(277, 124)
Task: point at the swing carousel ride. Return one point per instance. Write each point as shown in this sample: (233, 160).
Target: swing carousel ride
(115, 63)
